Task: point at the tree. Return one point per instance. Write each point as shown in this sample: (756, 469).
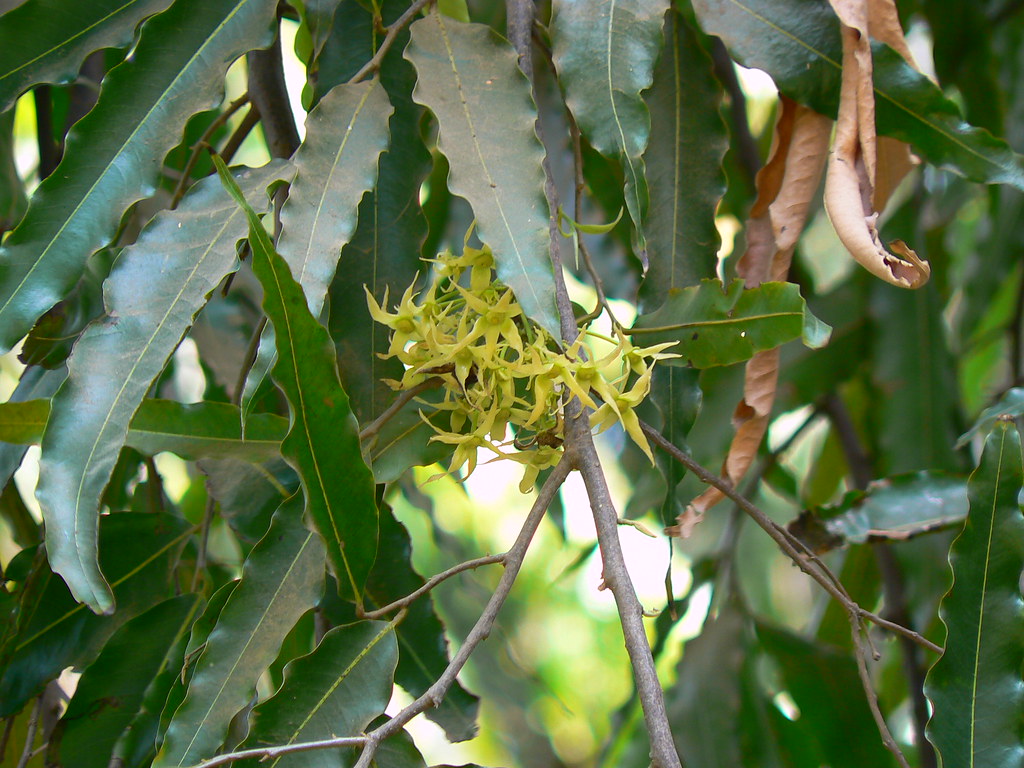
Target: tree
(496, 243)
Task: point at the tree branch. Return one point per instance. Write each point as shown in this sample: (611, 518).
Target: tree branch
(269, 95)
(788, 543)
(389, 40)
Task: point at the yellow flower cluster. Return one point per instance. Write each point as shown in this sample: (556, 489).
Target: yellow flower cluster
(501, 372)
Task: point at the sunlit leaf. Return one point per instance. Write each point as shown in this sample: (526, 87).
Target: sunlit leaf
(605, 55)
(485, 114)
(323, 439)
(136, 551)
(282, 578)
(114, 154)
(716, 327)
(153, 293)
(975, 687)
(334, 691)
(111, 690)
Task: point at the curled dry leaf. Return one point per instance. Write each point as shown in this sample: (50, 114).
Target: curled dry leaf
(850, 187)
(786, 187)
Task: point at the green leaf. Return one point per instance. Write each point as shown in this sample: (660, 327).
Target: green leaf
(892, 509)
(282, 578)
(824, 685)
(33, 49)
(684, 159)
(12, 192)
(137, 552)
(716, 327)
(335, 166)
(605, 54)
(797, 42)
(704, 703)
(334, 691)
(111, 690)
(422, 642)
(114, 154)
(384, 252)
(190, 430)
(153, 293)
(1010, 404)
(35, 382)
(247, 493)
(323, 441)
(471, 82)
(975, 687)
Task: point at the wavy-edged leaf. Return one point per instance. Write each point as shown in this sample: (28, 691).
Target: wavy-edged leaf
(335, 166)
(486, 115)
(423, 645)
(282, 578)
(137, 552)
(153, 293)
(797, 42)
(334, 691)
(323, 438)
(248, 493)
(34, 49)
(975, 687)
(892, 509)
(35, 383)
(384, 251)
(716, 327)
(190, 430)
(605, 54)
(111, 690)
(114, 154)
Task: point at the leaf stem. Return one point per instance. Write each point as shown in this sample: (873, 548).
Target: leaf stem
(203, 143)
(399, 24)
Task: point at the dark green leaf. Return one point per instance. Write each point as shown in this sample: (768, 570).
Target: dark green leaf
(605, 54)
(826, 690)
(248, 493)
(34, 49)
(485, 114)
(975, 687)
(323, 441)
(12, 192)
(684, 159)
(282, 578)
(334, 691)
(153, 293)
(716, 327)
(111, 690)
(136, 551)
(892, 509)
(797, 42)
(114, 154)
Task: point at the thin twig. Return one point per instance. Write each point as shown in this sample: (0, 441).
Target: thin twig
(432, 582)
(389, 39)
(399, 402)
(30, 733)
(204, 540)
(789, 544)
(6, 737)
(860, 653)
(269, 95)
(203, 143)
(513, 562)
(250, 357)
(244, 129)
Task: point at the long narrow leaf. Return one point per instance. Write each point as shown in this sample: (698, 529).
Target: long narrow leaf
(605, 54)
(334, 691)
(152, 296)
(114, 154)
(486, 117)
(33, 49)
(323, 441)
(282, 579)
(975, 688)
